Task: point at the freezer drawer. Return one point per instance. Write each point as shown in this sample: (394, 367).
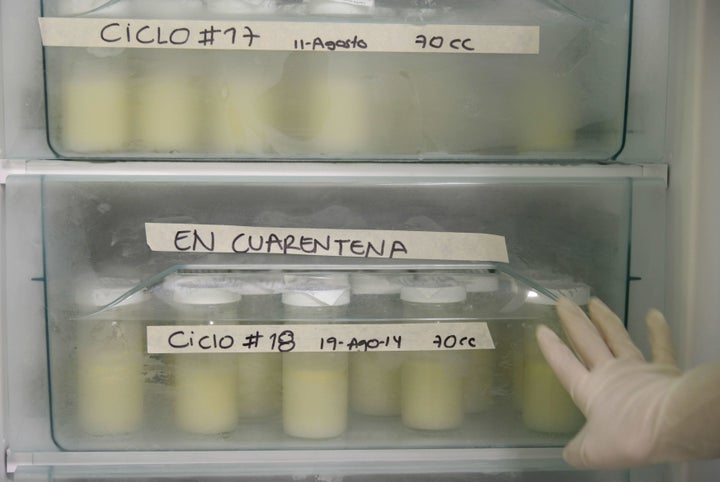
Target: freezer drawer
(218, 358)
(110, 388)
(336, 80)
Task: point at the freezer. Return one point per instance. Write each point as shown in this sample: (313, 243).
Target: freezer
(312, 240)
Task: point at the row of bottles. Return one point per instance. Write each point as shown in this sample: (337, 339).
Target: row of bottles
(313, 394)
(265, 104)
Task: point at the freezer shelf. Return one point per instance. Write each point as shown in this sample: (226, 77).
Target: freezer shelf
(536, 80)
(72, 475)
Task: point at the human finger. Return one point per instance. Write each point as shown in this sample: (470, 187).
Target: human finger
(583, 336)
(564, 363)
(660, 339)
(574, 451)
(613, 331)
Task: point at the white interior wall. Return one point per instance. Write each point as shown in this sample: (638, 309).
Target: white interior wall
(693, 234)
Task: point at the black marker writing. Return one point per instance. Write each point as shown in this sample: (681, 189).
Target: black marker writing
(187, 240)
(157, 35)
(453, 341)
(317, 43)
(437, 42)
(182, 339)
(291, 244)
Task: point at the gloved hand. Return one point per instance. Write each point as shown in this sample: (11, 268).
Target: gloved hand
(638, 412)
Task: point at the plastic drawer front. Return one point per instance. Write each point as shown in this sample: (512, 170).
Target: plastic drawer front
(82, 242)
(105, 287)
(456, 81)
(527, 476)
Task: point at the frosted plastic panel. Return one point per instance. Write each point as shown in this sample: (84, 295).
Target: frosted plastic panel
(567, 101)
(26, 362)
(104, 287)
(534, 476)
(24, 127)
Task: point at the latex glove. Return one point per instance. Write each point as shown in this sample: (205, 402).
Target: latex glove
(638, 412)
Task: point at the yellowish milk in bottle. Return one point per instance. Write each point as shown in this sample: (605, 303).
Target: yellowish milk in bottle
(480, 365)
(544, 277)
(206, 393)
(94, 91)
(168, 91)
(318, 106)
(110, 352)
(346, 124)
(315, 385)
(432, 381)
(546, 112)
(547, 406)
(235, 83)
(375, 375)
(259, 374)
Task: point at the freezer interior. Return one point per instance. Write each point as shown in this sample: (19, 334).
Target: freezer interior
(76, 256)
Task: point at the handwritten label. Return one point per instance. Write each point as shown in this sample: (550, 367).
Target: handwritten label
(203, 238)
(288, 36)
(330, 338)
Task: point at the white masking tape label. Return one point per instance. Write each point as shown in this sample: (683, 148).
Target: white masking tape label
(331, 338)
(288, 36)
(354, 243)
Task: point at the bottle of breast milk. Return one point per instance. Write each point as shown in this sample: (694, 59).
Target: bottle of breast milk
(93, 98)
(545, 278)
(235, 83)
(168, 90)
(259, 374)
(315, 385)
(545, 111)
(547, 406)
(375, 376)
(432, 381)
(110, 353)
(206, 393)
(481, 365)
(319, 106)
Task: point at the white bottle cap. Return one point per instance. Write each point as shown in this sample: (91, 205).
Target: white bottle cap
(316, 279)
(94, 293)
(254, 284)
(206, 296)
(433, 289)
(317, 298)
(316, 289)
(543, 276)
(170, 9)
(340, 7)
(201, 290)
(374, 284)
(94, 8)
(479, 282)
(240, 6)
(578, 293)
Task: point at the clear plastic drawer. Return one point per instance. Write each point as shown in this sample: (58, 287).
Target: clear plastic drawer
(336, 80)
(227, 358)
(196, 348)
